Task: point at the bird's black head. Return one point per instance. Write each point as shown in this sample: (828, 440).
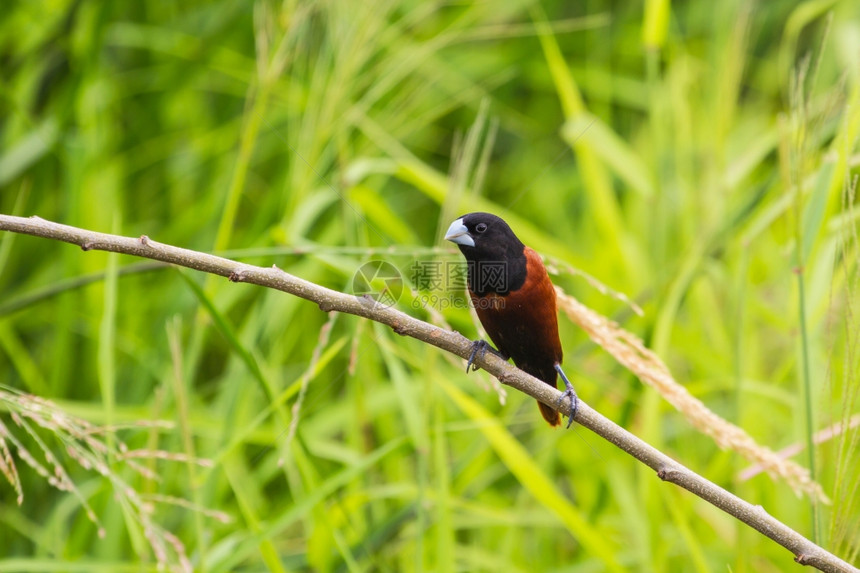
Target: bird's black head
(496, 258)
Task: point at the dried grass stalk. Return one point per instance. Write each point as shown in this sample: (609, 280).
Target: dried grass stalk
(631, 353)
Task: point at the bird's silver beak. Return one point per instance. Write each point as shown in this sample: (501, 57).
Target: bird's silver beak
(458, 233)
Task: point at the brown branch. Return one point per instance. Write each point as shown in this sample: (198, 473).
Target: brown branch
(806, 552)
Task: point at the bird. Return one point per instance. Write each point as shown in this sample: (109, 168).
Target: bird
(514, 299)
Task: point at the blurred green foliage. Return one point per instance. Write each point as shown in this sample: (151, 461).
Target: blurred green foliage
(667, 149)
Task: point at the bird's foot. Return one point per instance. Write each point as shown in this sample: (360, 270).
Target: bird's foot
(570, 393)
(479, 349)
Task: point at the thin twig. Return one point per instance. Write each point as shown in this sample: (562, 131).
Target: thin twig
(805, 551)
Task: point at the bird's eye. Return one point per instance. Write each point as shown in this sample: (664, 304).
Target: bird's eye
(481, 227)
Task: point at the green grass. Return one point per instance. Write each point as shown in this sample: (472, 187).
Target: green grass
(665, 149)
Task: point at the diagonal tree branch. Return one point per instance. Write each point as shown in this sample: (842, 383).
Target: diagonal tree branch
(805, 551)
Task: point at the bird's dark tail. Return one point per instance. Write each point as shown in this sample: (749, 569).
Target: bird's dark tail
(549, 414)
